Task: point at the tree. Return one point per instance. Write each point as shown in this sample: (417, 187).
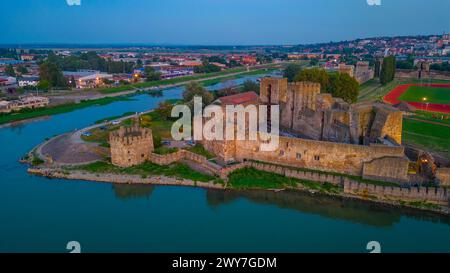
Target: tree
(9, 70)
(291, 71)
(342, 85)
(441, 67)
(43, 85)
(250, 86)
(377, 68)
(151, 74)
(313, 62)
(228, 89)
(387, 73)
(317, 75)
(50, 72)
(206, 68)
(164, 110)
(22, 69)
(194, 89)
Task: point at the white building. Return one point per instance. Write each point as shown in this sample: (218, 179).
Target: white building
(94, 80)
(28, 81)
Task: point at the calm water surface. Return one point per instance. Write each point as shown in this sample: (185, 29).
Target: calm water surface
(41, 215)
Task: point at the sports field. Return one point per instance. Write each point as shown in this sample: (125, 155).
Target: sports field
(438, 95)
(428, 136)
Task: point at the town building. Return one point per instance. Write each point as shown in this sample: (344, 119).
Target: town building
(29, 102)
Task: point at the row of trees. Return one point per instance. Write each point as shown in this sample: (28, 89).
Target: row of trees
(206, 68)
(90, 60)
(441, 67)
(340, 85)
(51, 76)
(151, 74)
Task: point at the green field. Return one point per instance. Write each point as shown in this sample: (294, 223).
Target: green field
(432, 94)
(430, 137)
(373, 90)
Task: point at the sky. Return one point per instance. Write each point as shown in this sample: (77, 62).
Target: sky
(216, 22)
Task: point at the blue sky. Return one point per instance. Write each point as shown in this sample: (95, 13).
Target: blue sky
(216, 22)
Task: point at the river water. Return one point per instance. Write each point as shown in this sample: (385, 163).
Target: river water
(41, 215)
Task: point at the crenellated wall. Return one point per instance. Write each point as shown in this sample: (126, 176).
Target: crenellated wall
(130, 146)
(436, 195)
(443, 176)
(318, 155)
(392, 169)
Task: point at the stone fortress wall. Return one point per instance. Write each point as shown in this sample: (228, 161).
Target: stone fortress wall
(332, 131)
(305, 111)
(424, 194)
(328, 156)
(443, 176)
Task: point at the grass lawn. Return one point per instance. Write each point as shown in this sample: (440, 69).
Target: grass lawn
(177, 170)
(427, 136)
(163, 150)
(200, 150)
(116, 89)
(251, 178)
(433, 95)
(434, 117)
(161, 129)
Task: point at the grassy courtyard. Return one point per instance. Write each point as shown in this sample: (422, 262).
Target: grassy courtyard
(250, 178)
(432, 94)
(427, 136)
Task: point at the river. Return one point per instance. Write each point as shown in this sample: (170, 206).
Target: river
(41, 215)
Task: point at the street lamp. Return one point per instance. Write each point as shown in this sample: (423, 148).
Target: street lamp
(426, 102)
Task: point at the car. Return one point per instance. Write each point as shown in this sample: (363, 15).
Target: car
(87, 134)
(165, 142)
(191, 143)
(103, 128)
(115, 122)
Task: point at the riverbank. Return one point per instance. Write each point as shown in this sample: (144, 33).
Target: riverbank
(173, 167)
(109, 95)
(56, 173)
(60, 109)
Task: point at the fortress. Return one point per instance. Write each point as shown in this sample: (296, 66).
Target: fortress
(317, 132)
(323, 133)
(131, 146)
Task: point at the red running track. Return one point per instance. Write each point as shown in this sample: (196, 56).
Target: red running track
(393, 96)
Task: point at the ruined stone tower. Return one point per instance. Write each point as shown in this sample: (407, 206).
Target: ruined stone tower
(131, 146)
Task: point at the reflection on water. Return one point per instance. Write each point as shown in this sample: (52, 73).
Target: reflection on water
(129, 191)
(155, 93)
(356, 211)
